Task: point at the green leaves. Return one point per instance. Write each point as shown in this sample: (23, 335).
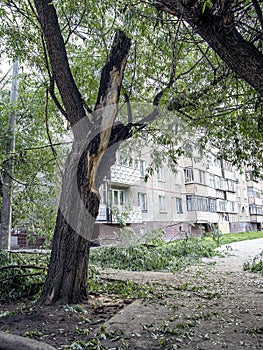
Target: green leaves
(35, 192)
(206, 4)
(256, 265)
(203, 104)
(152, 257)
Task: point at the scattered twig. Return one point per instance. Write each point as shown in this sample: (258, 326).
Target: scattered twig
(22, 267)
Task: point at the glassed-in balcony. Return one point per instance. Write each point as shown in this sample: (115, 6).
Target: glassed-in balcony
(256, 213)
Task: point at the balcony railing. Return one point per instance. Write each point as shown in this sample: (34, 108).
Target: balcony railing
(108, 215)
(125, 175)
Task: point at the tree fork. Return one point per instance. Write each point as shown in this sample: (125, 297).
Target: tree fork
(66, 280)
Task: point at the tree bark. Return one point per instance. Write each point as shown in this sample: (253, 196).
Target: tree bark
(61, 72)
(95, 140)
(218, 29)
(66, 281)
(67, 274)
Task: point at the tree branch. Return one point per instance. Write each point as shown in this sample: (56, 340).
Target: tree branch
(220, 33)
(61, 72)
(258, 12)
(20, 275)
(2, 268)
(106, 108)
(128, 104)
(115, 65)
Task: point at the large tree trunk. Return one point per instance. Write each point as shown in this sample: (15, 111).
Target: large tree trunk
(95, 143)
(66, 281)
(67, 274)
(68, 267)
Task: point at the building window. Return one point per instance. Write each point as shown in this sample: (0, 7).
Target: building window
(225, 217)
(124, 160)
(188, 175)
(250, 192)
(142, 201)
(203, 204)
(255, 209)
(212, 205)
(227, 165)
(199, 203)
(103, 193)
(162, 204)
(217, 162)
(248, 176)
(117, 197)
(222, 183)
(232, 206)
(243, 209)
(258, 194)
(190, 203)
(212, 179)
(179, 205)
(231, 186)
(222, 206)
(160, 174)
(142, 167)
(202, 176)
(196, 203)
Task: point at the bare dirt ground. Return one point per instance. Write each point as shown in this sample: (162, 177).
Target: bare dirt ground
(214, 305)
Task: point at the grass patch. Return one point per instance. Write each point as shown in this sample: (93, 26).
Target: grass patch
(238, 237)
(22, 280)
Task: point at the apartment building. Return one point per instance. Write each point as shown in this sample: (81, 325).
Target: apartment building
(201, 195)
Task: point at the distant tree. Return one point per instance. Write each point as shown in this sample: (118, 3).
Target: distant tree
(35, 166)
(199, 62)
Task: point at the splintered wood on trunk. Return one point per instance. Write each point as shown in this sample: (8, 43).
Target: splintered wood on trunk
(86, 164)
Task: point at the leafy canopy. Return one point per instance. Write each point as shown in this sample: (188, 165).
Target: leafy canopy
(201, 97)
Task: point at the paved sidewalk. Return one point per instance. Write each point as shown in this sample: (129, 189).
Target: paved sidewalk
(225, 301)
(237, 254)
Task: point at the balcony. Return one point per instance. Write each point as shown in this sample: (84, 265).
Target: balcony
(254, 200)
(105, 214)
(202, 217)
(124, 175)
(225, 206)
(256, 218)
(119, 213)
(255, 209)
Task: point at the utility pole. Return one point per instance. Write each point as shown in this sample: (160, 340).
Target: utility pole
(6, 212)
